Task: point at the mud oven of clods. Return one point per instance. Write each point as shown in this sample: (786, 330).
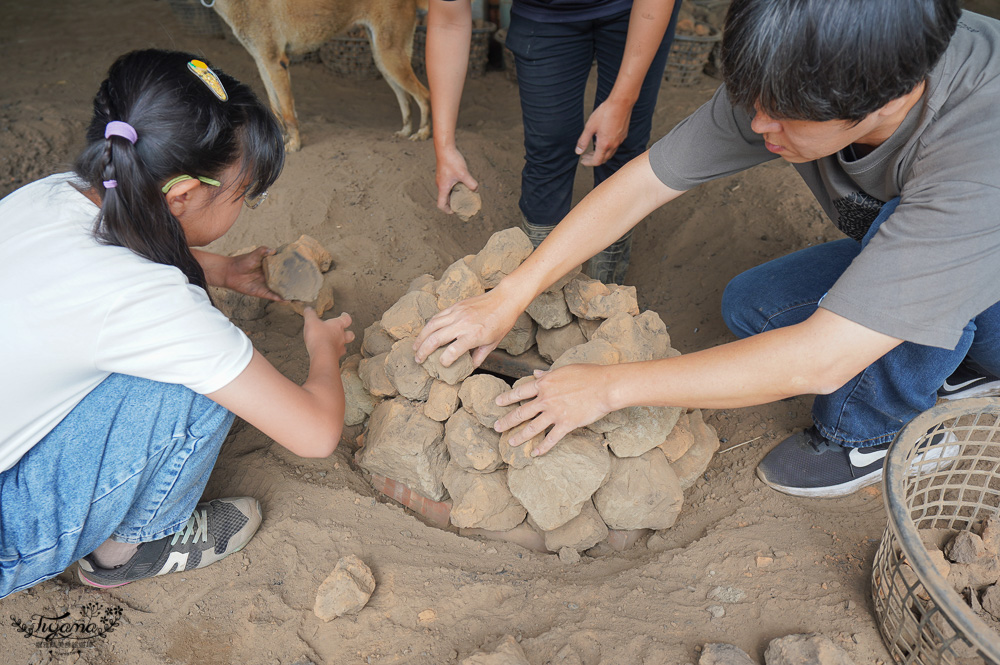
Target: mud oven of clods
(430, 434)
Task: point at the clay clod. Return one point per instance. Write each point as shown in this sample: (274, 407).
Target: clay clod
(694, 462)
(407, 446)
(641, 492)
(454, 373)
(374, 378)
(508, 652)
(407, 317)
(521, 337)
(457, 283)
(464, 202)
(504, 251)
(442, 400)
(376, 340)
(810, 649)
(580, 533)
(410, 378)
(479, 395)
(358, 402)
(590, 299)
(645, 428)
(294, 272)
(518, 457)
(346, 590)
(472, 446)
(555, 486)
(481, 500)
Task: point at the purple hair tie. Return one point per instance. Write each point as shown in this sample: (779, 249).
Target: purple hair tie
(122, 129)
(110, 184)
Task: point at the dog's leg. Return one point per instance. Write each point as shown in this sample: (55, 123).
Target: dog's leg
(268, 53)
(273, 69)
(392, 46)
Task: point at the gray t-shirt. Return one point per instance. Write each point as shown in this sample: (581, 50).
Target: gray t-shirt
(934, 265)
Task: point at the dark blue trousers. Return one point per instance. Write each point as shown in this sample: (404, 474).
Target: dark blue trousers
(553, 64)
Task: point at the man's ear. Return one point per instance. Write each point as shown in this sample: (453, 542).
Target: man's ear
(179, 196)
(895, 105)
(892, 106)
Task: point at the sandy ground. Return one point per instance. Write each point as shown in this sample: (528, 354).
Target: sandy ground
(369, 197)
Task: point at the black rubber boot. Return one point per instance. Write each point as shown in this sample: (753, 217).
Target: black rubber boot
(611, 264)
(536, 232)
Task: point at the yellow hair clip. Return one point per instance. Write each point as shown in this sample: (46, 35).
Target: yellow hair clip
(209, 78)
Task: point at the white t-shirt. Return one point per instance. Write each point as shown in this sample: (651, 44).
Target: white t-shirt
(74, 311)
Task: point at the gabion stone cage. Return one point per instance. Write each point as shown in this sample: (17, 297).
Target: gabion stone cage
(942, 472)
(479, 49)
(688, 57)
(350, 55)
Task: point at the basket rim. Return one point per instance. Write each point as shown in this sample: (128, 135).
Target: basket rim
(905, 530)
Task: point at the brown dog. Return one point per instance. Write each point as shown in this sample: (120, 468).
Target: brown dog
(271, 30)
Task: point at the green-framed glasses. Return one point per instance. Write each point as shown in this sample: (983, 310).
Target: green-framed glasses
(249, 201)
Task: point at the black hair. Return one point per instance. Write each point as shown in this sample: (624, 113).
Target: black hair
(831, 59)
(182, 128)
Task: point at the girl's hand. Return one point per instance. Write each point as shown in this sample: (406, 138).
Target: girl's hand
(245, 274)
(325, 336)
(569, 397)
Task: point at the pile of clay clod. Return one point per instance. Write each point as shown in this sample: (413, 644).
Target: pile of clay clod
(430, 427)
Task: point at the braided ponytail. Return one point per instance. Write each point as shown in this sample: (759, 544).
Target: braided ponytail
(180, 128)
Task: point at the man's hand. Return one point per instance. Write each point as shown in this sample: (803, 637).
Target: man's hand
(245, 273)
(607, 126)
(569, 397)
(451, 169)
(475, 323)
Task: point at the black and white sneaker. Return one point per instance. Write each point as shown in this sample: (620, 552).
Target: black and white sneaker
(215, 530)
(969, 380)
(808, 464)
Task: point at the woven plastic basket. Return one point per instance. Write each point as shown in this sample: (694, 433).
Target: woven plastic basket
(350, 55)
(479, 49)
(197, 19)
(688, 57)
(923, 620)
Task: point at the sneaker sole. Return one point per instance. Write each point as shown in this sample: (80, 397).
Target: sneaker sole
(825, 492)
(83, 578)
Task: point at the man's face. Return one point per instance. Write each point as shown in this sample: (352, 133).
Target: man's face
(799, 141)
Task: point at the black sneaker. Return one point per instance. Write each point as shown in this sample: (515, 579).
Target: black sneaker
(969, 380)
(809, 464)
(215, 530)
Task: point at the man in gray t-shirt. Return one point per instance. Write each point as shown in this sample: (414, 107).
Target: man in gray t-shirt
(890, 111)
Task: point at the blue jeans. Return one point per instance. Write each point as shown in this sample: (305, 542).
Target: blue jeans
(129, 462)
(873, 406)
(553, 64)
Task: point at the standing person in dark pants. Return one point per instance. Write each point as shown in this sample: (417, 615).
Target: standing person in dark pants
(555, 42)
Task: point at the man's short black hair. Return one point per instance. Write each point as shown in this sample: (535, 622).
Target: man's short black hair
(831, 59)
